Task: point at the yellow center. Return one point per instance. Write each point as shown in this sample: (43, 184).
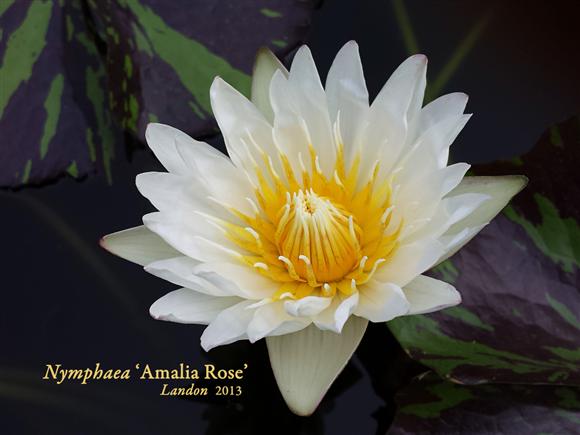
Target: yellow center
(318, 237)
(313, 234)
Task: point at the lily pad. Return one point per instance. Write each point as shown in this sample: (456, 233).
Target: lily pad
(53, 111)
(79, 75)
(519, 278)
(432, 405)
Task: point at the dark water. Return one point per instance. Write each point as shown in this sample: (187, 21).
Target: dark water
(67, 301)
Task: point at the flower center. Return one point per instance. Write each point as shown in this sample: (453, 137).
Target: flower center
(315, 234)
(317, 237)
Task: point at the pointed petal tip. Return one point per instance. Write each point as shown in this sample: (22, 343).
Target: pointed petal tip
(301, 410)
(157, 312)
(420, 58)
(517, 183)
(264, 51)
(464, 99)
(105, 243)
(513, 184)
(522, 181)
(205, 344)
(153, 311)
(153, 126)
(306, 363)
(303, 56)
(501, 189)
(350, 49)
(352, 44)
(216, 84)
(265, 56)
(305, 49)
(428, 295)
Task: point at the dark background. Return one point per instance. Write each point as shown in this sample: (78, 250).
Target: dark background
(67, 301)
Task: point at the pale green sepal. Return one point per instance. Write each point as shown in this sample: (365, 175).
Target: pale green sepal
(265, 66)
(500, 189)
(307, 362)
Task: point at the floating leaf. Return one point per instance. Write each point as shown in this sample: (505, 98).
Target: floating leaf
(53, 113)
(520, 281)
(76, 75)
(432, 405)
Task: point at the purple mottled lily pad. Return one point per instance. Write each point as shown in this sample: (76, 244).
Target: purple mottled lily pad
(520, 281)
(53, 112)
(78, 75)
(434, 406)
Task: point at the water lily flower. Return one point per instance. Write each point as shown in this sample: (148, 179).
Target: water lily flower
(324, 216)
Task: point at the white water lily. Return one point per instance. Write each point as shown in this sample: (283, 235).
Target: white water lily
(324, 216)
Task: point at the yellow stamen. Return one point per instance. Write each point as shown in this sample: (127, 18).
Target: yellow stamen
(315, 234)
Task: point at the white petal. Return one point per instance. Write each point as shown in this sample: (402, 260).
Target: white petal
(436, 184)
(249, 282)
(454, 242)
(139, 245)
(216, 173)
(409, 261)
(230, 325)
(192, 235)
(345, 82)
(347, 94)
(460, 206)
(290, 129)
(188, 306)
(418, 200)
(501, 189)
(402, 95)
(217, 279)
(196, 169)
(161, 140)
(449, 177)
(344, 310)
(449, 211)
(272, 319)
(306, 363)
(394, 108)
(427, 295)
(431, 151)
(198, 155)
(312, 106)
(265, 66)
(208, 195)
(307, 306)
(447, 106)
(335, 316)
(181, 271)
(303, 71)
(381, 302)
(241, 124)
(168, 192)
